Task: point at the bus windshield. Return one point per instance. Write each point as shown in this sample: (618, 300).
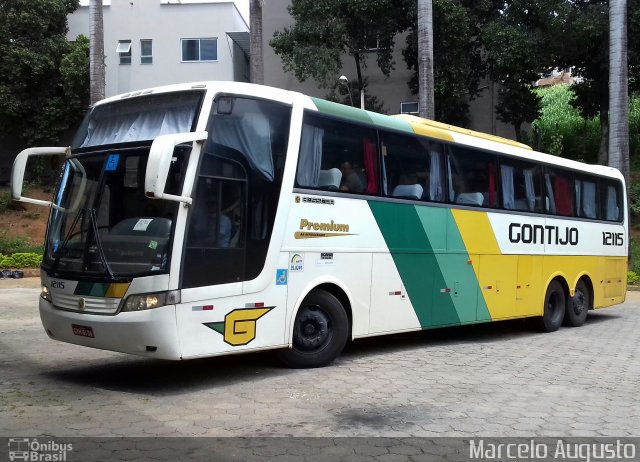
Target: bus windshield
(140, 118)
(102, 224)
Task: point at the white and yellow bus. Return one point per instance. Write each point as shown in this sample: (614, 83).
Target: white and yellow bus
(213, 218)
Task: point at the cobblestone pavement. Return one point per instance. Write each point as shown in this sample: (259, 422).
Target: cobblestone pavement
(503, 379)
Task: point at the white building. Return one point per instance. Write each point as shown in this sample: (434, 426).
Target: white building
(156, 42)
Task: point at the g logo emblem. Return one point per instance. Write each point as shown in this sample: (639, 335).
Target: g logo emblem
(239, 326)
(82, 303)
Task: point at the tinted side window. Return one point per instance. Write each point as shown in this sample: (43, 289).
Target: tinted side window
(472, 177)
(337, 156)
(216, 238)
(413, 167)
(586, 197)
(611, 200)
(558, 190)
(520, 183)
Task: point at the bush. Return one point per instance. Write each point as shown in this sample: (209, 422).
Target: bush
(6, 203)
(19, 244)
(634, 256)
(561, 130)
(632, 277)
(20, 260)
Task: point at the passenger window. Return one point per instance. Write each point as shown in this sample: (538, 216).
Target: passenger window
(559, 197)
(337, 156)
(520, 183)
(611, 200)
(586, 197)
(413, 167)
(472, 177)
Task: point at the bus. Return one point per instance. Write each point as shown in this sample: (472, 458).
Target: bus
(211, 218)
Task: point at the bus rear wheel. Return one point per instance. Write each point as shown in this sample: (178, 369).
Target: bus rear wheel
(578, 306)
(320, 332)
(554, 307)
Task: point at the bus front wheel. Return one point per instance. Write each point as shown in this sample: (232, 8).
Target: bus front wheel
(320, 332)
(554, 307)
(578, 306)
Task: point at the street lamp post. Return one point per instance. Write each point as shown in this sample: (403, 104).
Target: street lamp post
(345, 81)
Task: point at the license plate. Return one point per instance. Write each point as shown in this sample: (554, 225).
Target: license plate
(82, 331)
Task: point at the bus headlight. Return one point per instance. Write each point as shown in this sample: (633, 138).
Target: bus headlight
(150, 301)
(45, 293)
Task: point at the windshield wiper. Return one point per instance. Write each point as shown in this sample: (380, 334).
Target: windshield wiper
(58, 251)
(103, 258)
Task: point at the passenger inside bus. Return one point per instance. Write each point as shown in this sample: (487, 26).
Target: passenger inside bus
(352, 180)
(204, 223)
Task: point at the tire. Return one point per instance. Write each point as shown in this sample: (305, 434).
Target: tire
(555, 304)
(578, 306)
(320, 332)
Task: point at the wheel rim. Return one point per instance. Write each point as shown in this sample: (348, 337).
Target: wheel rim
(312, 331)
(579, 302)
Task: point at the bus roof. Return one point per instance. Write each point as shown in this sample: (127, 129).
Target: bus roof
(400, 122)
(420, 124)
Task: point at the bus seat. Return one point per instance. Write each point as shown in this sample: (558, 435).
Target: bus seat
(409, 191)
(521, 204)
(330, 179)
(475, 198)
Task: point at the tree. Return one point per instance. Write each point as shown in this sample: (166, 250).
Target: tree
(618, 89)
(256, 71)
(96, 36)
(325, 30)
(458, 68)
(519, 48)
(425, 59)
(34, 91)
(584, 46)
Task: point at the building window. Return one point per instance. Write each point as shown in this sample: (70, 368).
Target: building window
(146, 51)
(409, 108)
(124, 50)
(199, 50)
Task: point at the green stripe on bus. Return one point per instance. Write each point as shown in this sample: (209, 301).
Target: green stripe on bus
(432, 262)
(340, 110)
(389, 122)
(453, 260)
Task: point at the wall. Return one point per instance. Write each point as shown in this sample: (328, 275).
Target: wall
(165, 24)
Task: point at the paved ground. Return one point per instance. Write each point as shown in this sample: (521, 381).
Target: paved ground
(492, 380)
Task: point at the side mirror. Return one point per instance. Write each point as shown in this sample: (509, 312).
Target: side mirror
(19, 166)
(159, 163)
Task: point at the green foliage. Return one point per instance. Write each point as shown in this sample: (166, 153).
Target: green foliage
(39, 95)
(632, 277)
(634, 201)
(20, 260)
(456, 72)
(6, 203)
(10, 245)
(518, 50)
(635, 255)
(324, 30)
(561, 129)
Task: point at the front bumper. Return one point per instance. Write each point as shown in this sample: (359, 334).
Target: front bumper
(152, 333)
